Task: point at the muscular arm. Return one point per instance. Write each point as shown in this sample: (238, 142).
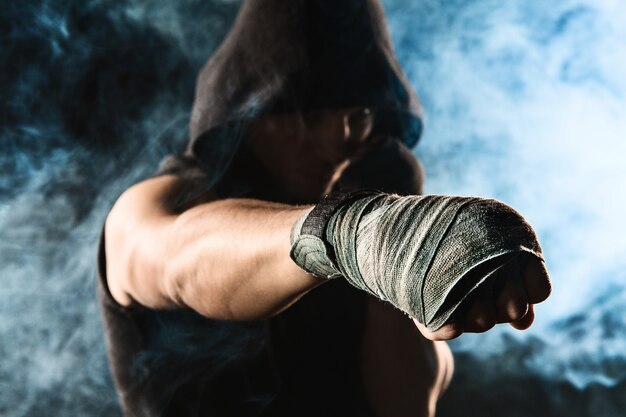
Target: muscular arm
(226, 259)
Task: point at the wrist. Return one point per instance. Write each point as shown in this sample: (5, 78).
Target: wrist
(310, 248)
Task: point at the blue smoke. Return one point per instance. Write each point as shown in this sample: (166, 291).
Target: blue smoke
(94, 94)
(525, 102)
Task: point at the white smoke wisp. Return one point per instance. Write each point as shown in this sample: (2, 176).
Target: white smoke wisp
(526, 102)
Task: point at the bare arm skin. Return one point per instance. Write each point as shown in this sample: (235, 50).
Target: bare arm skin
(226, 259)
(229, 259)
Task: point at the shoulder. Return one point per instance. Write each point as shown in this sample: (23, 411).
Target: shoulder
(137, 226)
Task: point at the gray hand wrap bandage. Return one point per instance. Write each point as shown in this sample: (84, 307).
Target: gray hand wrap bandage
(423, 254)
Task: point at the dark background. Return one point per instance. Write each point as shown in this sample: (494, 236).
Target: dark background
(524, 102)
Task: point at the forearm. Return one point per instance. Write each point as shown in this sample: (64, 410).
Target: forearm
(226, 259)
(230, 259)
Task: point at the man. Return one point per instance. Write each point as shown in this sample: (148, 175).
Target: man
(216, 273)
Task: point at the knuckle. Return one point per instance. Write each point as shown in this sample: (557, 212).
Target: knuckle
(517, 310)
(484, 322)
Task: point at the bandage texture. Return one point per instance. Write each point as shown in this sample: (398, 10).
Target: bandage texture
(423, 254)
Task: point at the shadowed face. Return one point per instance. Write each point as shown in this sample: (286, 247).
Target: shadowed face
(306, 153)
